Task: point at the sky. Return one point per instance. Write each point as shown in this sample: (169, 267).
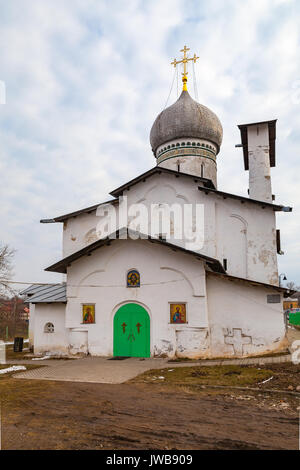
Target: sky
(85, 79)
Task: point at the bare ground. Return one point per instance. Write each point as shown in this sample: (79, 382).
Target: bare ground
(143, 415)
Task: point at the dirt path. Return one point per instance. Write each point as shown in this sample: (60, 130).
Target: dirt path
(65, 415)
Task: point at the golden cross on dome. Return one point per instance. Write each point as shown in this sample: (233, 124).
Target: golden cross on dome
(184, 61)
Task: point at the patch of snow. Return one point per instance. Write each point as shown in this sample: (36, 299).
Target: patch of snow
(265, 381)
(12, 342)
(40, 358)
(12, 369)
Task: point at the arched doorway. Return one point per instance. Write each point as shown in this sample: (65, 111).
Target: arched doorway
(132, 331)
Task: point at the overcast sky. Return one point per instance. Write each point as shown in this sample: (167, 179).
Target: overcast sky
(85, 80)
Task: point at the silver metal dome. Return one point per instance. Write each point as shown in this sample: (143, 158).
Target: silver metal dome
(186, 118)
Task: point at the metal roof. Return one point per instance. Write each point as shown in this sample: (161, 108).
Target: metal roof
(207, 182)
(64, 217)
(158, 169)
(61, 266)
(46, 293)
(186, 118)
(286, 292)
(32, 289)
(244, 199)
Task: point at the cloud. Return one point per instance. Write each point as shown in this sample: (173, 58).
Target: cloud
(86, 79)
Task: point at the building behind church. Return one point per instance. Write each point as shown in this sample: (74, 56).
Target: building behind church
(139, 293)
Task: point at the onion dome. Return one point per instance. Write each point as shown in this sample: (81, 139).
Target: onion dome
(186, 118)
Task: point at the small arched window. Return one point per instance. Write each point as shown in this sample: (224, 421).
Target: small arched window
(133, 278)
(49, 328)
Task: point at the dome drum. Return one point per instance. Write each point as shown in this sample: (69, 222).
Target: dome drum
(185, 148)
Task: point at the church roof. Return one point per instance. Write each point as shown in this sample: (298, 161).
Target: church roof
(87, 210)
(45, 293)
(61, 266)
(244, 199)
(286, 292)
(186, 118)
(57, 292)
(117, 192)
(158, 170)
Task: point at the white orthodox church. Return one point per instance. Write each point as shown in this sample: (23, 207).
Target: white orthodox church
(155, 295)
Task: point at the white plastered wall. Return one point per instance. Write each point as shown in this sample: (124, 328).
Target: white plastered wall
(31, 325)
(57, 342)
(166, 276)
(259, 162)
(252, 255)
(242, 322)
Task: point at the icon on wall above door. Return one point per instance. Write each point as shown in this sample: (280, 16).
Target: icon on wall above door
(133, 278)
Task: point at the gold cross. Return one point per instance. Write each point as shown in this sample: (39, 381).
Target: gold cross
(184, 61)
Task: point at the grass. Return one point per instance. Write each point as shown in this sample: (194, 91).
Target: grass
(10, 354)
(215, 375)
(19, 390)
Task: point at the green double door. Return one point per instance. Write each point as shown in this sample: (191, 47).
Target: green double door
(132, 331)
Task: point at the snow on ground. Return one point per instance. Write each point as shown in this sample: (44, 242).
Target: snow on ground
(11, 342)
(12, 369)
(40, 358)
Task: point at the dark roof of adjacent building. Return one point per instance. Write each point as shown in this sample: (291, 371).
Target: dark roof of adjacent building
(158, 170)
(272, 139)
(46, 293)
(186, 118)
(244, 199)
(61, 266)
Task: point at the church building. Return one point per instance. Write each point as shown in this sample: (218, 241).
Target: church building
(132, 291)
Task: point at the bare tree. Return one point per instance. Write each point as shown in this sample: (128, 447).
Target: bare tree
(6, 257)
(292, 286)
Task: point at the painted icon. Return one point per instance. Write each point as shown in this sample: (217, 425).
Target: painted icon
(88, 314)
(133, 278)
(177, 313)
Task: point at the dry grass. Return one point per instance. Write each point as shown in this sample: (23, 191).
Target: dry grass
(16, 390)
(218, 375)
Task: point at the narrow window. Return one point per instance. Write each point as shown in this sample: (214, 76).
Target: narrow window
(278, 242)
(202, 170)
(225, 264)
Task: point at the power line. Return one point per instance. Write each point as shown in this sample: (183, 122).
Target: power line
(195, 83)
(31, 283)
(174, 75)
